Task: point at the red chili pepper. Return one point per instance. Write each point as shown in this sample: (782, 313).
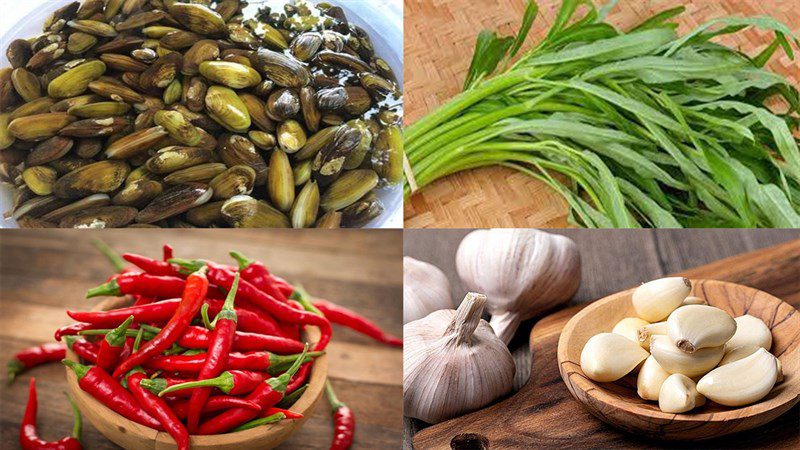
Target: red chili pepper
(83, 348)
(191, 300)
(258, 361)
(351, 319)
(111, 346)
(35, 356)
(143, 300)
(217, 358)
(285, 412)
(223, 278)
(141, 284)
(258, 275)
(233, 382)
(159, 409)
(29, 437)
(72, 329)
(162, 311)
(99, 384)
(152, 266)
(266, 395)
(198, 337)
(167, 252)
(343, 420)
(215, 403)
(284, 286)
(299, 379)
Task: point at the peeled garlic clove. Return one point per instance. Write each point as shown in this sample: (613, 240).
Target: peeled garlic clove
(744, 351)
(692, 300)
(679, 394)
(646, 332)
(610, 356)
(655, 300)
(694, 327)
(651, 377)
(675, 360)
(742, 382)
(750, 331)
(629, 327)
(425, 289)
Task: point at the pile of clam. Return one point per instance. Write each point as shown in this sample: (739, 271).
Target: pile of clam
(685, 351)
(161, 113)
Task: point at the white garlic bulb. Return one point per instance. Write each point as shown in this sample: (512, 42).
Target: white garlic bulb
(523, 272)
(453, 363)
(425, 289)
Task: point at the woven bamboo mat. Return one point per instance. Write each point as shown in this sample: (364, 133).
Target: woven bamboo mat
(439, 38)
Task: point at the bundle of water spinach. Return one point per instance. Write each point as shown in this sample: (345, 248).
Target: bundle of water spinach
(634, 128)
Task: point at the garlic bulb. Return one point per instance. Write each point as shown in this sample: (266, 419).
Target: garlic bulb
(679, 394)
(629, 327)
(650, 379)
(523, 272)
(742, 382)
(425, 289)
(694, 327)
(453, 363)
(655, 300)
(610, 356)
(675, 360)
(750, 331)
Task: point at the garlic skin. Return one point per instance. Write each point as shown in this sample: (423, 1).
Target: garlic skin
(693, 327)
(523, 272)
(629, 327)
(692, 300)
(610, 356)
(425, 289)
(675, 360)
(651, 377)
(655, 300)
(679, 394)
(741, 382)
(453, 363)
(646, 332)
(750, 331)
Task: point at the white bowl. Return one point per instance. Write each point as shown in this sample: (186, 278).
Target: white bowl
(382, 19)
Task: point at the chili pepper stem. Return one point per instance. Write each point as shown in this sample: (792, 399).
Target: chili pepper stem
(277, 417)
(332, 399)
(108, 289)
(113, 257)
(242, 260)
(77, 424)
(14, 368)
(79, 369)
(223, 382)
(304, 298)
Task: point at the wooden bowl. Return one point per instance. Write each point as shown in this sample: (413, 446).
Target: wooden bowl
(618, 404)
(131, 435)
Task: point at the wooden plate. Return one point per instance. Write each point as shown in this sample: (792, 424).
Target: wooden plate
(131, 435)
(618, 404)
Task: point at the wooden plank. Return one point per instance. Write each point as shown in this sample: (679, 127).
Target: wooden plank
(42, 273)
(439, 41)
(545, 400)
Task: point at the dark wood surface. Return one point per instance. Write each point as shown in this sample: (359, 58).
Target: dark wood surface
(42, 273)
(614, 260)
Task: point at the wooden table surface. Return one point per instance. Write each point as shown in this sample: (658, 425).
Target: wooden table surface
(439, 42)
(44, 273)
(612, 260)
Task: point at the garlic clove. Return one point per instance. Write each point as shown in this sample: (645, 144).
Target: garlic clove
(692, 300)
(453, 363)
(655, 300)
(675, 360)
(609, 357)
(651, 377)
(750, 331)
(646, 332)
(425, 289)
(693, 327)
(741, 382)
(679, 394)
(735, 354)
(629, 327)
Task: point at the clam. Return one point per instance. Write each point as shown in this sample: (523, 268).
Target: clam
(243, 211)
(94, 178)
(226, 108)
(175, 200)
(283, 69)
